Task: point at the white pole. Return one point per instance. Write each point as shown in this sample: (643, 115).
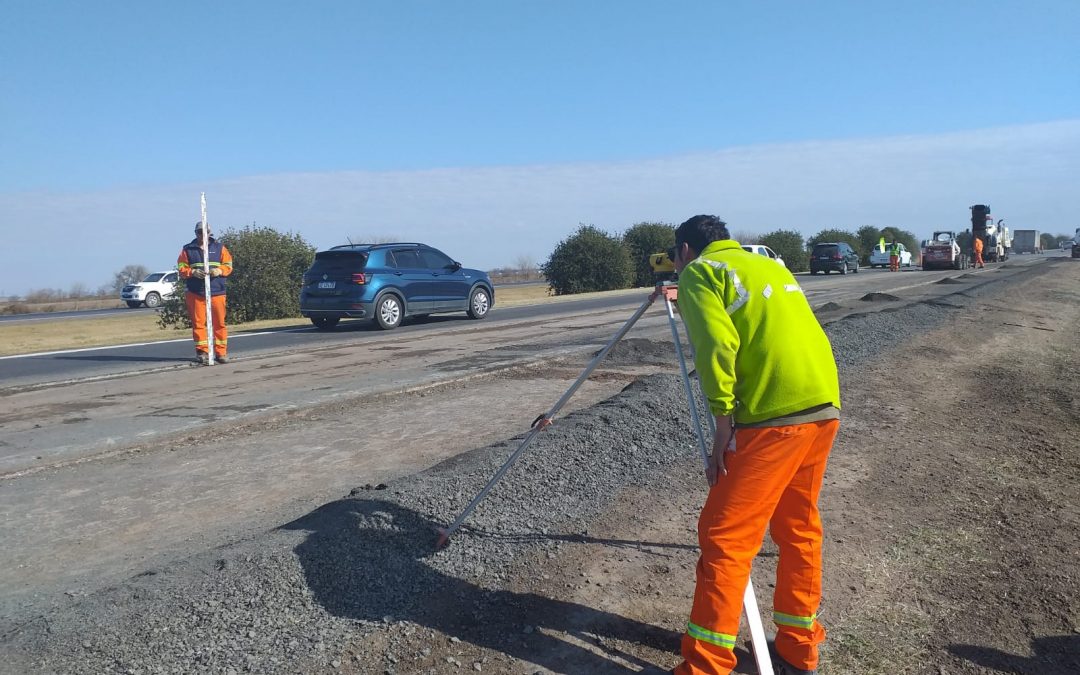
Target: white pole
(206, 281)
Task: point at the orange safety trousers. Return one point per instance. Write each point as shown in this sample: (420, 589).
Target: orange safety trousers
(196, 308)
(773, 479)
(894, 263)
(979, 258)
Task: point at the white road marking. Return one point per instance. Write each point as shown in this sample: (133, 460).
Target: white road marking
(136, 344)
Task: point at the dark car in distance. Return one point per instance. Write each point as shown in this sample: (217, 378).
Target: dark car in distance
(389, 282)
(833, 257)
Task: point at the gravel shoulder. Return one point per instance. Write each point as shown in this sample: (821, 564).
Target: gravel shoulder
(951, 508)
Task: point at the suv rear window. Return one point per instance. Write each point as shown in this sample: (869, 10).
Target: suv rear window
(326, 261)
(826, 248)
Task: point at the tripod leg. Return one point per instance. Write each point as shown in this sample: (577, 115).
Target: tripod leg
(542, 422)
(695, 420)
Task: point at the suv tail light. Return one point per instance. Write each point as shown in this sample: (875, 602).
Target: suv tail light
(359, 278)
(837, 256)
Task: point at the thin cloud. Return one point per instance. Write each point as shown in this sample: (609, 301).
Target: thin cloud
(488, 216)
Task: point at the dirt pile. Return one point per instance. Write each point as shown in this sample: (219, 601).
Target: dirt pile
(631, 351)
(879, 297)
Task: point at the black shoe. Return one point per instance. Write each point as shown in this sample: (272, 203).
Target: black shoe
(202, 358)
(221, 359)
(785, 668)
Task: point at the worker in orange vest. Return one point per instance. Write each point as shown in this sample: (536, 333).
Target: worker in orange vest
(776, 401)
(190, 265)
(978, 252)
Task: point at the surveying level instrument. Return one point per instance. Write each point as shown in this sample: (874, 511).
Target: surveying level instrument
(663, 265)
(668, 290)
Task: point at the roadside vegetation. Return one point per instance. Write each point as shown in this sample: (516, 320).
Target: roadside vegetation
(589, 260)
(1051, 241)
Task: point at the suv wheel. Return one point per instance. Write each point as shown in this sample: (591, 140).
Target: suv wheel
(152, 299)
(133, 304)
(843, 269)
(388, 312)
(856, 270)
(325, 322)
(479, 303)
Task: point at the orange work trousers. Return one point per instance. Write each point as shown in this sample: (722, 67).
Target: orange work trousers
(774, 478)
(196, 308)
(979, 258)
(894, 263)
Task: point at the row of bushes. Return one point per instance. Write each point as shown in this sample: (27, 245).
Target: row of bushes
(594, 260)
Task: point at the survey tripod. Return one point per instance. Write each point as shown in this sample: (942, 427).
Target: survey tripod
(669, 292)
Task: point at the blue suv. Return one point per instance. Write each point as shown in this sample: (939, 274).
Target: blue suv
(388, 282)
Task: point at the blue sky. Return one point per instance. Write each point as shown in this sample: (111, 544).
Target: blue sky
(498, 127)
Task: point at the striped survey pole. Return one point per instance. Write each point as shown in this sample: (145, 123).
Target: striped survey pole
(206, 281)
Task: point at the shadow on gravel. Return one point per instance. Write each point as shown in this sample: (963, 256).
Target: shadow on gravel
(1055, 655)
(575, 539)
(373, 559)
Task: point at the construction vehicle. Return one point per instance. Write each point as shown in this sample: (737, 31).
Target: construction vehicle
(1027, 241)
(942, 253)
(996, 238)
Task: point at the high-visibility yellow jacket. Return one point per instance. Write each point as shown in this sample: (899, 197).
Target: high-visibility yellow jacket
(759, 350)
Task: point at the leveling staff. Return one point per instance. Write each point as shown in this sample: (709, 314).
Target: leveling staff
(769, 375)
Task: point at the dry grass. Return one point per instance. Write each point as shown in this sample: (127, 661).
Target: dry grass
(47, 335)
(516, 296)
(59, 305)
(886, 631)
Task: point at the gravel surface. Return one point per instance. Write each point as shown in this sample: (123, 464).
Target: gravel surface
(293, 599)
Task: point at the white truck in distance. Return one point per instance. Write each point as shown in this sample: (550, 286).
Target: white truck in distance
(1027, 241)
(151, 290)
(765, 251)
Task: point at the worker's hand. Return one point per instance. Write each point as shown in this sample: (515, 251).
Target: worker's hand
(723, 444)
(215, 271)
(198, 273)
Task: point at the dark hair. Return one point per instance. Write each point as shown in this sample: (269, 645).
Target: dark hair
(700, 231)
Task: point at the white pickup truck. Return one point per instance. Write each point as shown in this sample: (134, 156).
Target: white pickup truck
(765, 251)
(151, 290)
(879, 259)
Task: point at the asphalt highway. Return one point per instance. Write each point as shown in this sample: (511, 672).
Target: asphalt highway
(34, 369)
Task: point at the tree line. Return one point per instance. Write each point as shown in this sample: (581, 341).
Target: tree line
(594, 260)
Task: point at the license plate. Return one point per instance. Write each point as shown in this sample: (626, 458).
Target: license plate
(327, 284)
